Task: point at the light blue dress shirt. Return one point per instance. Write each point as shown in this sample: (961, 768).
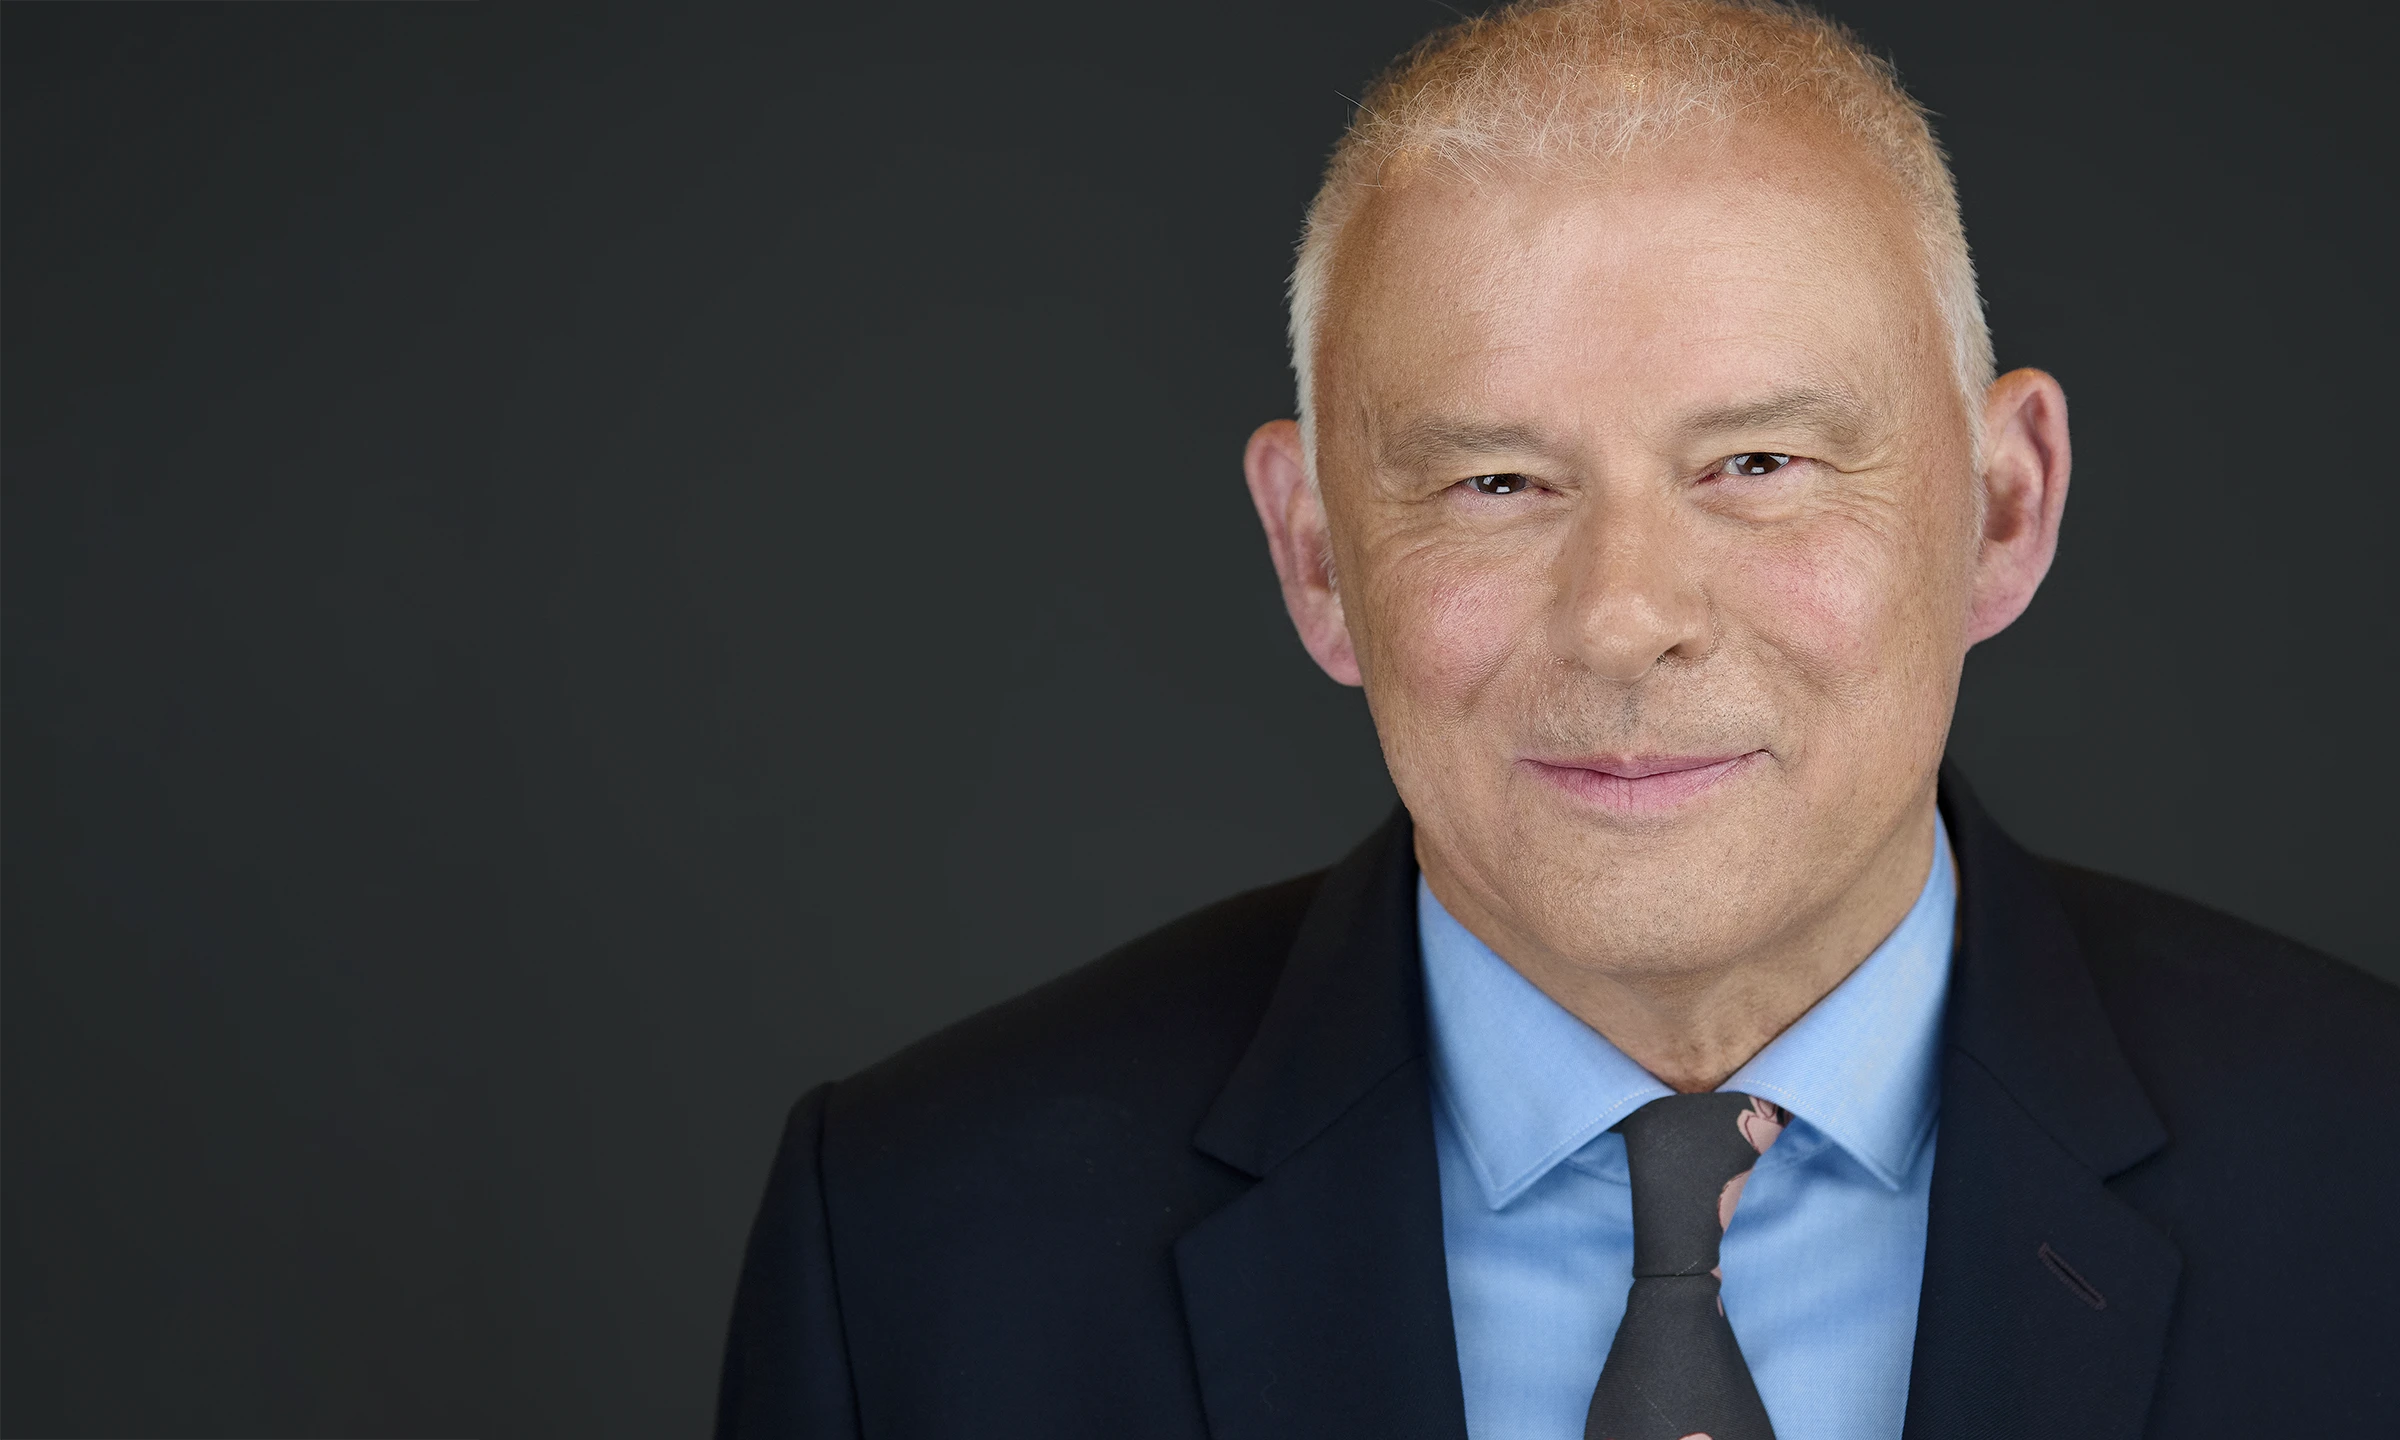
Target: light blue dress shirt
(1826, 1251)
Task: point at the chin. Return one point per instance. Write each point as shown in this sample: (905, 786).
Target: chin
(1667, 889)
(1655, 907)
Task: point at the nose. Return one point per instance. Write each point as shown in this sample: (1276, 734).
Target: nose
(1629, 590)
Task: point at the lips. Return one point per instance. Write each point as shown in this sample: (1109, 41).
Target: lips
(1642, 784)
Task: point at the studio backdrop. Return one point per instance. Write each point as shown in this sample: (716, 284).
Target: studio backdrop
(572, 572)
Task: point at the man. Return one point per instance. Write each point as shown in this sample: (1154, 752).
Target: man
(1691, 1057)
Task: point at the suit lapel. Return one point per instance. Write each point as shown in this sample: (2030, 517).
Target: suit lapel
(2046, 1299)
(1318, 1301)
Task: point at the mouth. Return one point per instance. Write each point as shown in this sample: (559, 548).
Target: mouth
(1641, 784)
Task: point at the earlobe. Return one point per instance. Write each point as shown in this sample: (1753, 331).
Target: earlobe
(1301, 543)
(2025, 467)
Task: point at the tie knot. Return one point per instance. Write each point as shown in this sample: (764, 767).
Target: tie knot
(1689, 1156)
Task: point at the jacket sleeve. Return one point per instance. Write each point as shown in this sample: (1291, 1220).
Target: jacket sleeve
(787, 1363)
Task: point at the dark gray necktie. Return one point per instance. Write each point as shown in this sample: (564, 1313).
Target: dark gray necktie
(1675, 1371)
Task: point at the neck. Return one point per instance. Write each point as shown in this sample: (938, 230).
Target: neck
(1694, 1023)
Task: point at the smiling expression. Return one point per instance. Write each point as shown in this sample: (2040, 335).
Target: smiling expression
(1654, 525)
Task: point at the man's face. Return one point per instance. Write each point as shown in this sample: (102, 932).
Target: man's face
(1651, 585)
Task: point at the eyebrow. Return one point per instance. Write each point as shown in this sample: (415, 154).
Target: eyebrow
(1421, 442)
(1835, 414)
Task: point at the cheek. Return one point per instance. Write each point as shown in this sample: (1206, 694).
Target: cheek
(1838, 601)
(1446, 624)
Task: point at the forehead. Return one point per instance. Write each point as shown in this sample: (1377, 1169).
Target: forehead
(1744, 258)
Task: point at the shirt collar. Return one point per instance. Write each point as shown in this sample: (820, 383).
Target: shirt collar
(1528, 1084)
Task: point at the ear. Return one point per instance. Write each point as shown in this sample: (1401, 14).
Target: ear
(2025, 463)
(1297, 536)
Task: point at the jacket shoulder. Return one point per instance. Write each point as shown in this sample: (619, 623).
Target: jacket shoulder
(2181, 980)
(1146, 1035)
(1034, 1162)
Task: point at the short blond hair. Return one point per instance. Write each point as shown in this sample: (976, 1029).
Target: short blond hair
(1557, 85)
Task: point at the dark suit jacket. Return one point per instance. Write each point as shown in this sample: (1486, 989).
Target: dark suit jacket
(1189, 1190)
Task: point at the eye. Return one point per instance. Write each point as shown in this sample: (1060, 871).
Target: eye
(1754, 462)
(1497, 484)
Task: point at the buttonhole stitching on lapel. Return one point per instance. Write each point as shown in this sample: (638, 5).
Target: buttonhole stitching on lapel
(2083, 1288)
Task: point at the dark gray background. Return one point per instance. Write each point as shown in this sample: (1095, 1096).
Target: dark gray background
(571, 573)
